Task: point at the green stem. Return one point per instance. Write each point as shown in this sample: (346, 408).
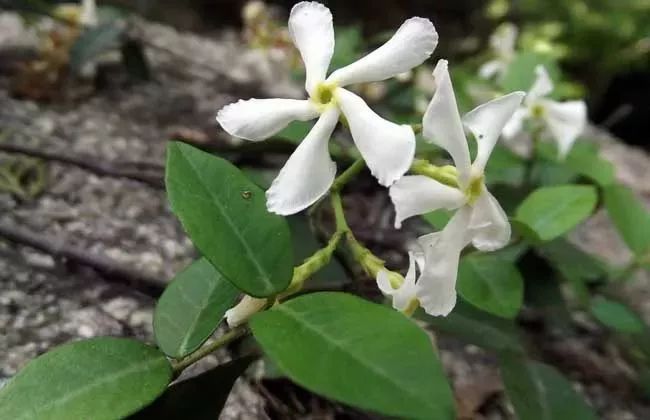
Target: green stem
(339, 214)
(347, 175)
(444, 174)
(311, 265)
(208, 349)
(530, 164)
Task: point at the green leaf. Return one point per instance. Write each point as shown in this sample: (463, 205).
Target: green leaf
(550, 212)
(477, 327)
(100, 378)
(571, 261)
(491, 283)
(616, 316)
(630, 216)
(521, 71)
(585, 160)
(539, 392)
(504, 167)
(295, 132)
(356, 352)
(438, 218)
(225, 215)
(576, 266)
(191, 308)
(201, 397)
(349, 46)
(94, 42)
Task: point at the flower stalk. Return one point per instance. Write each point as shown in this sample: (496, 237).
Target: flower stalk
(444, 174)
(230, 336)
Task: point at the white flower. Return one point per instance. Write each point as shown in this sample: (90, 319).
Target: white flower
(502, 42)
(88, 15)
(479, 219)
(246, 308)
(564, 120)
(403, 295)
(388, 148)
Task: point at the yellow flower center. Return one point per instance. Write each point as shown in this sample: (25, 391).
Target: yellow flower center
(474, 189)
(324, 93)
(537, 111)
(414, 304)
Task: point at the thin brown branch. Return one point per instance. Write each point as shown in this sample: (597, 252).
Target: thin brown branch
(153, 178)
(58, 248)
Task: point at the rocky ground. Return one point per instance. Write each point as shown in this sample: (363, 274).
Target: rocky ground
(95, 217)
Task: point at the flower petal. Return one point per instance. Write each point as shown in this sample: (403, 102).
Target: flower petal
(542, 86)
(404, 295)
(308, 173)
(413, 43)
(489, 225)
(89, 13)
(503, 40)
(387, 148)
(492, 68)
(486, 122)
(566, 121)
(312, 32)
(516, 123)
(416, 194)
(246, 308)
(259, 119)
(442, 125)
(436, 287)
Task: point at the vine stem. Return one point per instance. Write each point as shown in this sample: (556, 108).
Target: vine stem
(530, 164)
(447, 175)
(339, 214)
(209, 348)
(347, 175)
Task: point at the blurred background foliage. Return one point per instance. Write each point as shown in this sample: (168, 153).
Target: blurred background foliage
(602, 45)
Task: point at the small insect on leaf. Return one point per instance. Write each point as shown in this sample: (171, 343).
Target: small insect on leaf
(246, 195)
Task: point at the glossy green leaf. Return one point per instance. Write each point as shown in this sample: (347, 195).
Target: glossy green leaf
(356, 352)
(201, 397)
(100, 378)
(550, 212)
(630, 216)
(94, 42)
(225, 215)
(616, 316)
(539, 392)
(191, 308)
(491, 283)
(477, 327)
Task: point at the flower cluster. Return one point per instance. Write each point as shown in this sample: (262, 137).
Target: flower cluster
(502, 42)
(388, 150)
